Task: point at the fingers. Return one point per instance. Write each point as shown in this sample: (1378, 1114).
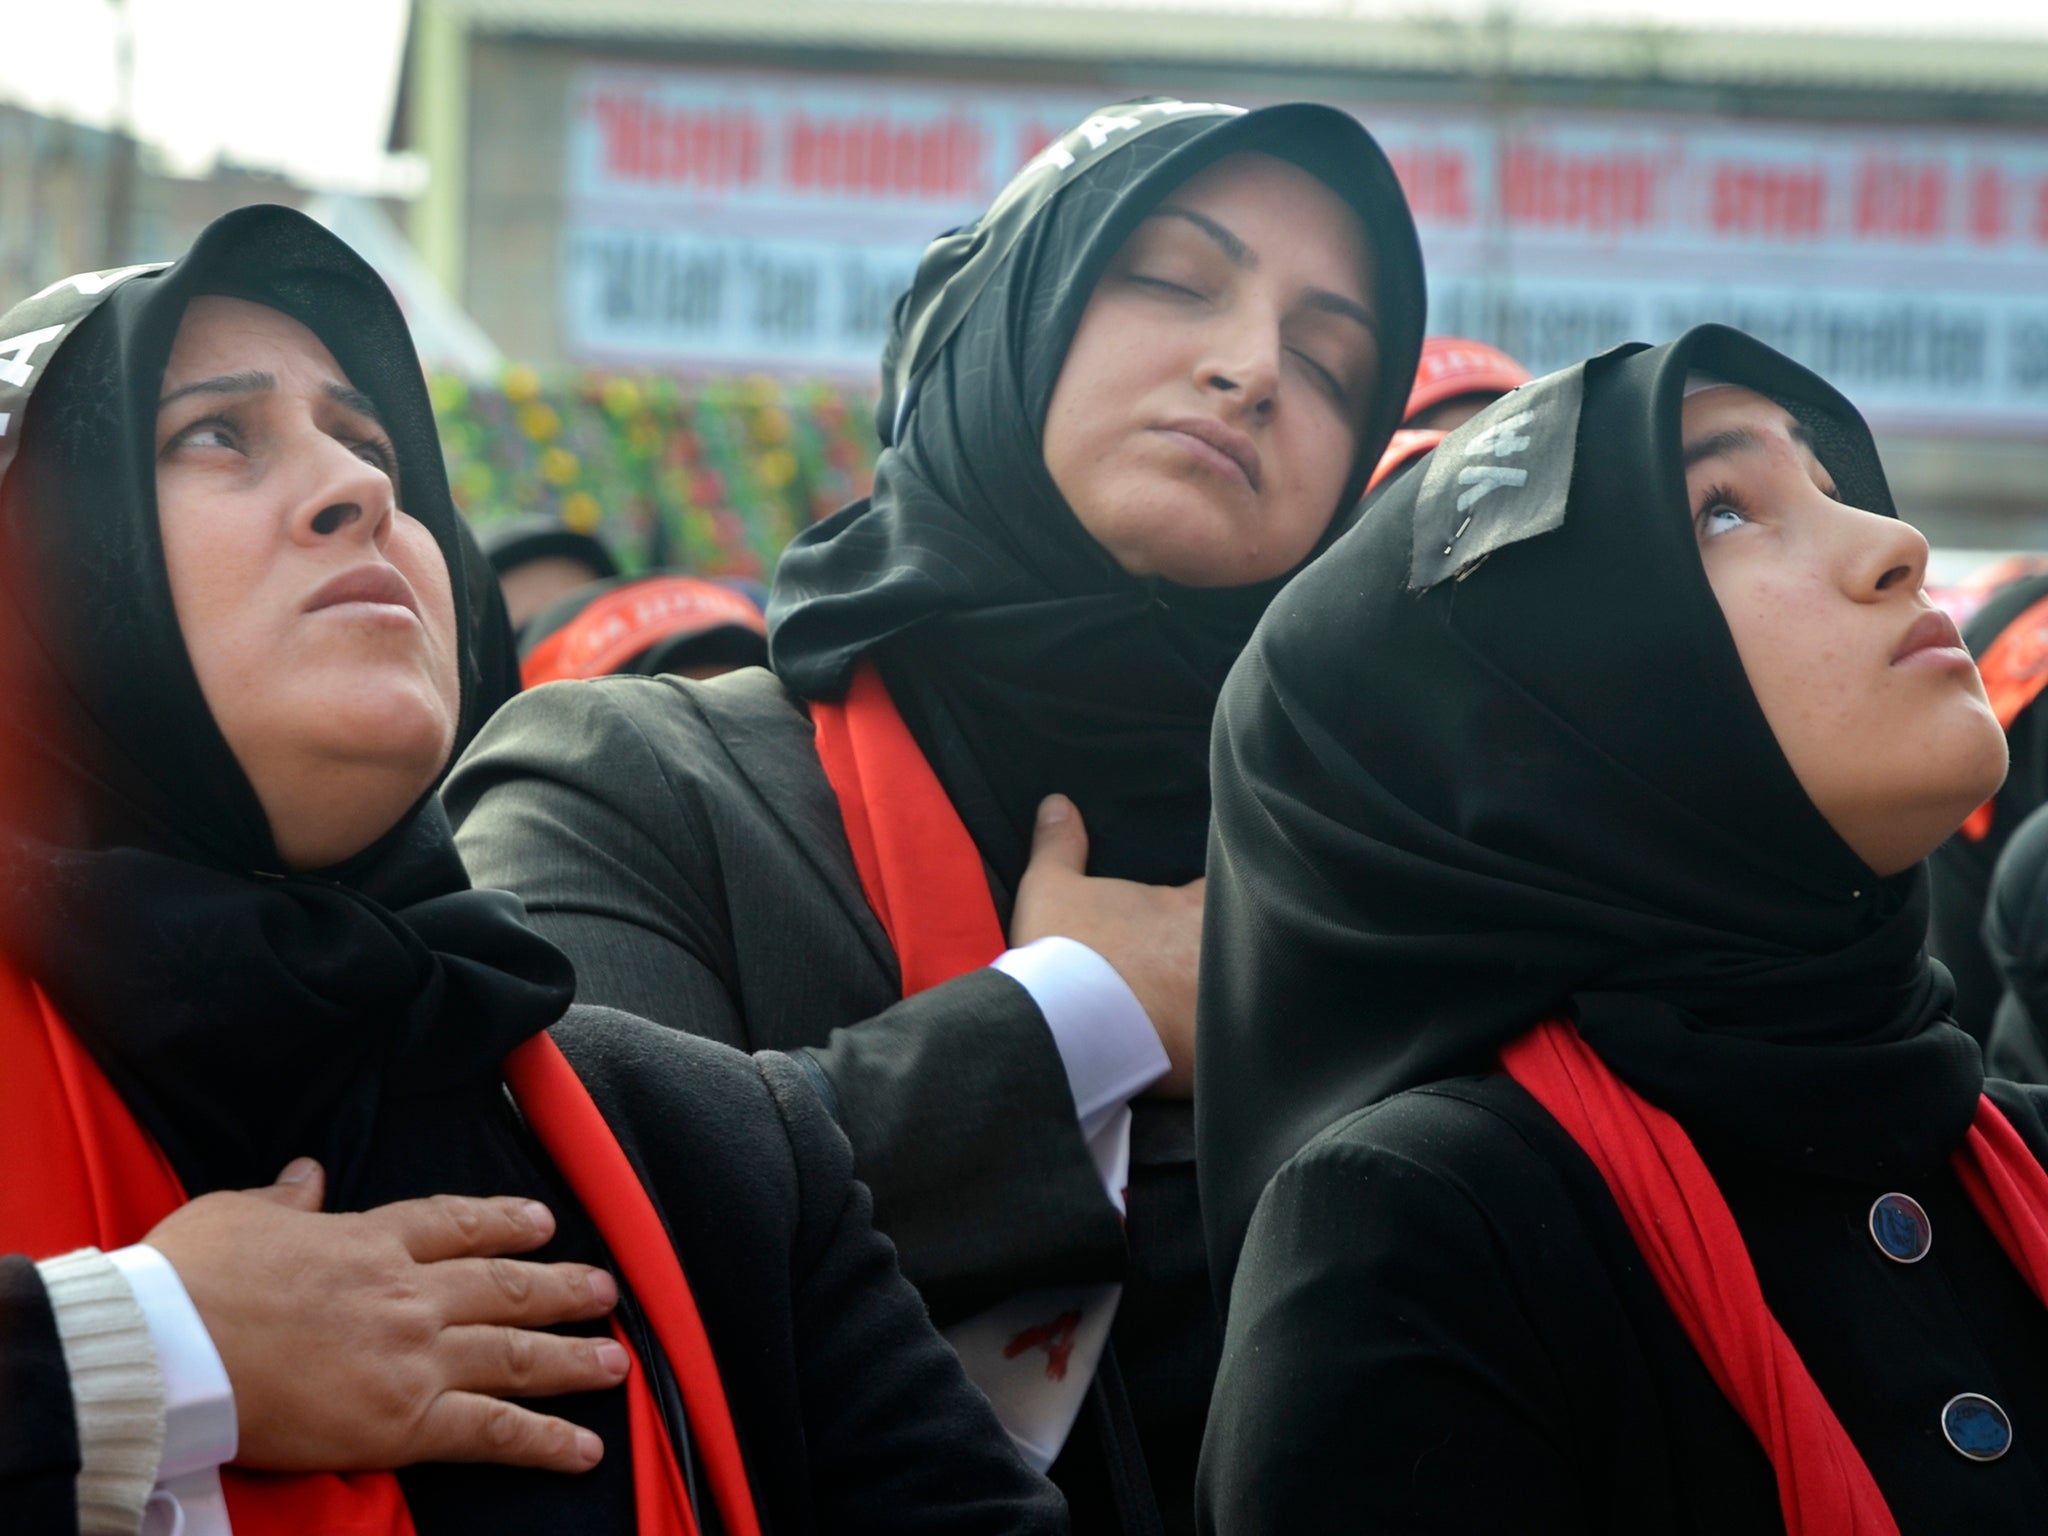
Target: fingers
(519, 1362)
(462, 1426)
(302, 1186)
(1059, 838)
(458, 1226)
(501, 1290)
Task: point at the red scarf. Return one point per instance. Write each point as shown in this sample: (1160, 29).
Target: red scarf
(918, 866)
(1689, 1239)
(99, 1180)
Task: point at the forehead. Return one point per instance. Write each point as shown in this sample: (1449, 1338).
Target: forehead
(224, 335)
(1732, 407)
(1282, 212)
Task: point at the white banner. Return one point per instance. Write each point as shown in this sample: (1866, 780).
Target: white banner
(729, 219)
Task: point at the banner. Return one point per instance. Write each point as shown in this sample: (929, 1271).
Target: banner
(722, 219)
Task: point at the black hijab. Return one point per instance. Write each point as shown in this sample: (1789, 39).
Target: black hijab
(1023, 659)
(1495, 757)
(245, 1014)
(1961, 868)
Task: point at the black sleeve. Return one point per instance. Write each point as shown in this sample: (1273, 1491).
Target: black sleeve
(899, 1440)
(38, 1433)
(1380, 1372)
(606, 807)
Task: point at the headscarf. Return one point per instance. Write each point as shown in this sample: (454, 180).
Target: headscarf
(245, 1014)
(1022, 657)
(1495, 758)
(1451, 366)
(1961, 868)
(490, 629)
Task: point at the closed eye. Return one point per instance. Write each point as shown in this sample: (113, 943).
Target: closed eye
(1161, 285)
(1324, 378)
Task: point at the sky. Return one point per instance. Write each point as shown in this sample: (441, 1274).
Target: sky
(306, 86)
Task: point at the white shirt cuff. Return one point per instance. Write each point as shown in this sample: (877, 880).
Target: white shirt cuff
(1105, 1041)
(199, 1403)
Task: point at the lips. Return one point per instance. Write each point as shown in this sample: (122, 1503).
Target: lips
(1232, 444)
(1932, 631)
(374, 583)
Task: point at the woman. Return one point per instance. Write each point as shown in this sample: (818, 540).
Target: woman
(1565, 964)
(235, 929)
(1120, 409)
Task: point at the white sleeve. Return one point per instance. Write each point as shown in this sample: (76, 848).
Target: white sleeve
(199, 1403)
(117, 1389)
(1105, 1041)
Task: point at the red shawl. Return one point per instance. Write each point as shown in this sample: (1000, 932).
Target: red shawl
(99, 1180)
(1689, 1239)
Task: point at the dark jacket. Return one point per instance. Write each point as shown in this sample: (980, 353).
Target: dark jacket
(1441, 1324)
(2015, 940)
(681, 842)
(852, 1414)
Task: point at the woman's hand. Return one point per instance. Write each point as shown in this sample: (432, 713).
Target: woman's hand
(1152, 934)
(373, 1341)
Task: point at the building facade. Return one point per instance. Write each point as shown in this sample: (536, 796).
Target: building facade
(719, 186)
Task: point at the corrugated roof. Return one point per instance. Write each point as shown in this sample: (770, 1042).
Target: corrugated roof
(1296, 37)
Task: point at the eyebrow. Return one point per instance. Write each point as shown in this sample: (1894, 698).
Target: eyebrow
(1740, 440)
(255, 382)
(1245, 258)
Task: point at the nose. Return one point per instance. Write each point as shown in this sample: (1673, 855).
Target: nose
(1240, 364)
(344, 495)
(1883, 556)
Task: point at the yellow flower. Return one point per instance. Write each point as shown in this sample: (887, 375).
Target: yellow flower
(521, 383)
(558, 466)
(538, 420)
(775, 468)
(771, 426)
(581, 513)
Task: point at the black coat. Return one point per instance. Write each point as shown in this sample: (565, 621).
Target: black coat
(2014, 943)
(1440, 1324)
(681, 842)
(851, 1412)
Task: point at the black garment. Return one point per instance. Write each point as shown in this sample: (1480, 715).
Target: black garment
(361, 1013)
(1024, 660)
(490, 627)
(2014, 943)
(642, 831)
(1960, 869)
(1485, 765)
(1442, 1325)
(38, 1436)
(682, 843)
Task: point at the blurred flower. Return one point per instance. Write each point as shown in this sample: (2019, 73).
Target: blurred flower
(581, 512)
(521, 384)
(558, 466)
(621, 396)
(539, 420)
